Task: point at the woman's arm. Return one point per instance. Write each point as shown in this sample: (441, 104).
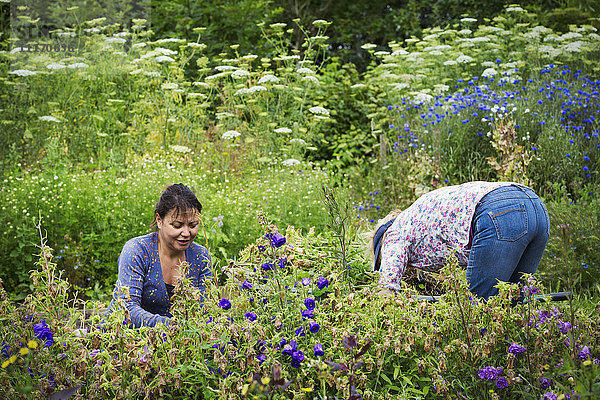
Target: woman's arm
(394, 259)
(134, 262)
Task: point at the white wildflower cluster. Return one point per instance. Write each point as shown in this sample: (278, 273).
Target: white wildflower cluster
(48, 118)
(162, 59)
(250, 90)
(139, 45)
(113, 39)
(268, 79)
(431, 37)
(169, 86)
(65, 34)
(574, 47)
(311, 79)
(489, 72)
(250, 57)
(165, 52)
(358, 85)
(240, 73)
(440, 47)
(201, 84)
(515, 9)
(180, 149)
(91, 30)
(570, 36)
(288, 58)
(305, 70)
(318, 110)
(450, 62)
(423, 98)
(400, 86)
(465, 32)
(195, 45)
(78, 65)
(223, 68)
(478, 39)
(464, 59)
(440, 88)
(230, 135)
(153, 74)
(468, 20)
(368, 46)
(56, 66)
(282, 130)
(217, 76)
(399, 52)
(195, 95)
(290, 162)
(298, 141)
(381, 53)
(23, 72)
(170, 40)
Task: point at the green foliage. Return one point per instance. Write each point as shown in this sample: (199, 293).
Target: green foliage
(282, 302)
(88, 216)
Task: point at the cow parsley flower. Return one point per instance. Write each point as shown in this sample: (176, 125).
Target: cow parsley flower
(165, 52)
(23, 72)
(268, 79)
(282, 130)
(48, 118)
(290, 162)
(318, 110)
(305, 70)
(230, 135)
(240, 73)
(162, 59)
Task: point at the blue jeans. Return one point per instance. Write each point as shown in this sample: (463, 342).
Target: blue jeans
(510, 232)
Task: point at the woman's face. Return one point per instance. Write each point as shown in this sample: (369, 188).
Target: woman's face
(178, 231)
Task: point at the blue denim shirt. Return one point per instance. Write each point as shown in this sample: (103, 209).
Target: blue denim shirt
(141, 272)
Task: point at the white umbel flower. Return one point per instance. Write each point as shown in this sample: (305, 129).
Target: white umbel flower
(230, 135)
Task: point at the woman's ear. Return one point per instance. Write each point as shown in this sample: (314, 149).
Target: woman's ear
(158, 221)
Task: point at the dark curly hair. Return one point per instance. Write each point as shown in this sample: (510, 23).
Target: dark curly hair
(176, 197)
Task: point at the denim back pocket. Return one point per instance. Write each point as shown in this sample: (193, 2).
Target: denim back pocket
(510, 222)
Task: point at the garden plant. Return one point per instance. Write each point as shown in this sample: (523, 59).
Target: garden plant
(294, 153)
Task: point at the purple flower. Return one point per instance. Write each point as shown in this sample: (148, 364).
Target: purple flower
(489, 373)
(289, 348)
(282, 262)
(515, 349)
(276, 239)
(42, 331)
(225, 304)
(305, 281)
(549, 396)
(545, 383)
(564, 327)
(300, 332)
(307, 314)
(298, 356)
(5, 350)
(531, 290)
(267, 266)
(247, 284)
(584, 353)
(314, 327)
(501, 383)
(309, 303)
(322, 282)
(261, 359)
(250, 316)
(319, 350)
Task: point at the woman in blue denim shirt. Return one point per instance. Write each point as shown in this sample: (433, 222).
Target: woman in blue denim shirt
(497, 230)
(149, 265)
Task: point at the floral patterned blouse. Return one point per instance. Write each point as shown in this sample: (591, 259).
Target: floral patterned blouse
(435, 226)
